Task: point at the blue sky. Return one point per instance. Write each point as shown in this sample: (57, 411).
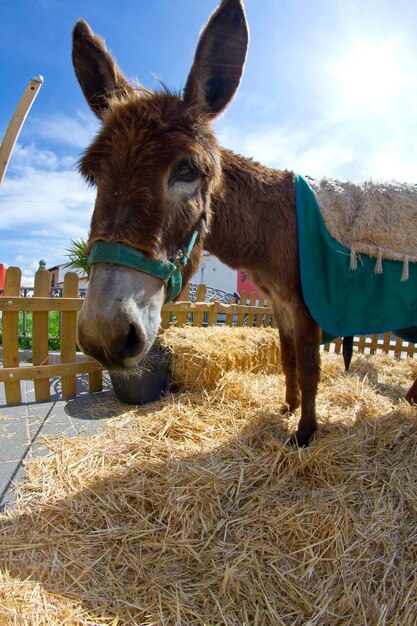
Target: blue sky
(330, 89)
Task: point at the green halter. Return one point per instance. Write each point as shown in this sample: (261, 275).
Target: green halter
(169, 272)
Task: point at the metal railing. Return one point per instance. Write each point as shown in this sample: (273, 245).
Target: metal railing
(214, 294)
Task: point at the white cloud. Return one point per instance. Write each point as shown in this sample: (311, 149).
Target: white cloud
(333, 146)
(307, 151)
(24, 157)
(43, 205)
(45, 200)
(27, 282)
(74, 131)
(393, 164)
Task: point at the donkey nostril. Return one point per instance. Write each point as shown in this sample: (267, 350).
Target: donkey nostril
(133, 344)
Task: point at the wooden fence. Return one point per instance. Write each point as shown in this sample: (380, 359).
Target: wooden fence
(371, 344)
(41, 370)
(249, 312)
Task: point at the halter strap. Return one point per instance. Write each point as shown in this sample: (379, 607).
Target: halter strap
(169, 272)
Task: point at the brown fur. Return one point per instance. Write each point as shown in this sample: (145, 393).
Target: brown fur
(250, 208)
(143, 134)
(411, 395)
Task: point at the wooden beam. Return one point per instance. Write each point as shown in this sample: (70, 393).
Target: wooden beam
(16, 123)
(232, 309)
(35, 372)
(40, 304)
(75, 304)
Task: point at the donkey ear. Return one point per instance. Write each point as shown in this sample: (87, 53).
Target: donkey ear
(97, 73)
(219, 59)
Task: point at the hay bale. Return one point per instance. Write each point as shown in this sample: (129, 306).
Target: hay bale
(195, 511)
(202, 356)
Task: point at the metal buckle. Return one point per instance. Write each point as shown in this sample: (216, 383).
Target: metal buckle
(179, 258)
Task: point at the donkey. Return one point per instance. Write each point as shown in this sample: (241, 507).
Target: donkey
(166, 190)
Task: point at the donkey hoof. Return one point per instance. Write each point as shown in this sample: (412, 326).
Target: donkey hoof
(300, 439)
(289, 407)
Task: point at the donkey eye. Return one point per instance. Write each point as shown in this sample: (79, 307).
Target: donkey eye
(186, 172)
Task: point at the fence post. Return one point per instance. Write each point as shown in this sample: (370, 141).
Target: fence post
(95, 380)
(40, 335)
(269, 319)
(398, 346)
(11, 334)
(338, 345)
(252, 302)
(243, 300)
(212, 315)
(198, 316)
(386, 344)
(361, 344)
(68, 335)
(260, 316)
(229, 319)
(165, 318)
(182, 316)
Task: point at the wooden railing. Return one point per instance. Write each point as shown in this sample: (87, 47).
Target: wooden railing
(41, 370)
(249, 312)
(371, 344)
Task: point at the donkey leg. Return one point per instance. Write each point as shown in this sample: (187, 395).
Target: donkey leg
(307, 334)
(288, 360)
(411, 395)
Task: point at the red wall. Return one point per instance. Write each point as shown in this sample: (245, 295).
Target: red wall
(244, 283)
(2, 275)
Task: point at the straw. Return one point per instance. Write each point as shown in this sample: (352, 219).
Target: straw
(200, 357)
(196, 510)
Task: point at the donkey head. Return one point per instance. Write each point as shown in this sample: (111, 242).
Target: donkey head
(155, 164)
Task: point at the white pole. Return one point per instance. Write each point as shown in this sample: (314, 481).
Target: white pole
(16, 123)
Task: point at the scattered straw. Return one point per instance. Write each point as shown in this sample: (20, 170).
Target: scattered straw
(195, 511)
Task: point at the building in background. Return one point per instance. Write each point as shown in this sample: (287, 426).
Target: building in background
(58, 273)
(2, 275)
(216, 274)
(244, 283)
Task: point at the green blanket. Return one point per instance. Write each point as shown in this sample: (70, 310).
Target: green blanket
(344, 302)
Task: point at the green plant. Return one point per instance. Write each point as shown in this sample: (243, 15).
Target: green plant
(78, 258)
(25, 324)
(24, 330)
(53, 331)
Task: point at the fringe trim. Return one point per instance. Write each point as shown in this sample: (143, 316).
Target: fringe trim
(405, 275)
(378, 264)
(353, 261)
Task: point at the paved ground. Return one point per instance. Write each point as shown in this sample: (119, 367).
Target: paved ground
(22, 427)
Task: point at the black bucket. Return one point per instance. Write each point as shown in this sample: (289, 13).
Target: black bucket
(149, 382)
